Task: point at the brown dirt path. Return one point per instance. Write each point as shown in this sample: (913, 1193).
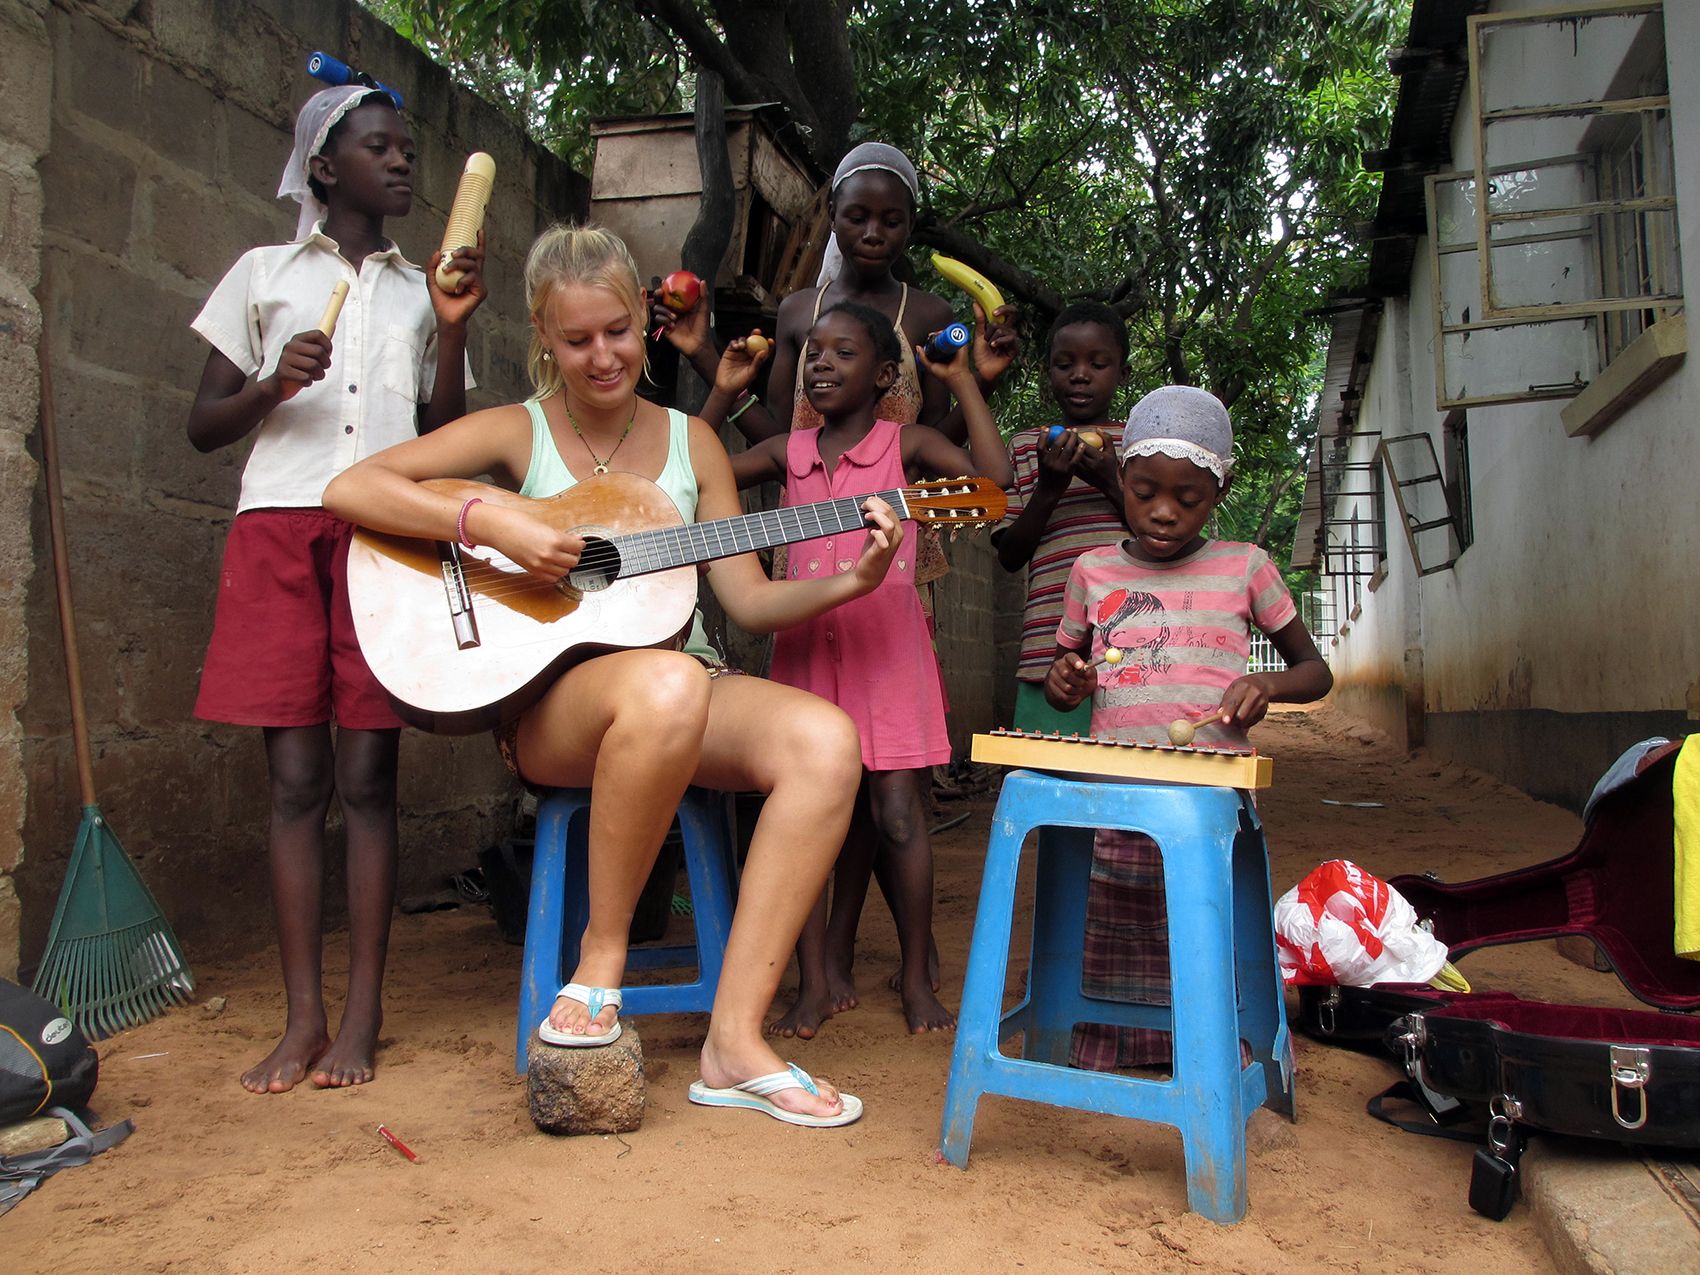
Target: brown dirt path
(219, 1180)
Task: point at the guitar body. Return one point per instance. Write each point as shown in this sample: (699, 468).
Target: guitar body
(464, 640)
(527, 631)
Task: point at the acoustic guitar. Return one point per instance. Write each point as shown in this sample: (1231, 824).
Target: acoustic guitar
(465, 639)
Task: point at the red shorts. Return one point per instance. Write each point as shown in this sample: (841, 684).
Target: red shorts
(283, 651)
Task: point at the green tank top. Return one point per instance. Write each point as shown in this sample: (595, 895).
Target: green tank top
(548, 475)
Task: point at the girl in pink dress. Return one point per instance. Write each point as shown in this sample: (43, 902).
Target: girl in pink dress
(872, 656)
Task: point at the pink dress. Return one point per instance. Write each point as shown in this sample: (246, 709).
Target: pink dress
(872, 657)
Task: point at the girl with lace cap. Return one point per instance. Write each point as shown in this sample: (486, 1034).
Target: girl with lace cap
(1180, 607)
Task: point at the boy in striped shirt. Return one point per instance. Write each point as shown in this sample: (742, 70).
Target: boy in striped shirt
(1180, 608)
(1066, 497)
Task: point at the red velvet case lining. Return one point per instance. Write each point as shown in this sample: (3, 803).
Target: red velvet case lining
(1617, 887)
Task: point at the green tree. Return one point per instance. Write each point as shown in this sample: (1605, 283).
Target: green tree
(1195, 163)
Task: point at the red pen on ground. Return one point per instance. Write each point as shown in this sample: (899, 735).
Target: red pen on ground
(398, 1144)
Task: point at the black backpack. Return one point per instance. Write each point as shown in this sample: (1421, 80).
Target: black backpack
(44, 1060)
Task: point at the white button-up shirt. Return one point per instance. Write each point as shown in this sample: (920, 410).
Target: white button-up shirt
(383, 360)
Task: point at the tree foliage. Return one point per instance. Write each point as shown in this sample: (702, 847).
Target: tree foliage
(1196, 163)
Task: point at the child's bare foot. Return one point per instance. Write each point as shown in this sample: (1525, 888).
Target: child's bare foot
(725, 1064)
(895, 982)
(286, 1065)
(924, 1011)
(349, 1060)
(802, 1020)
(841, 991)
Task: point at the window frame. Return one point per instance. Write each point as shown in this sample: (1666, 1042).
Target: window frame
(1487, 220)
(1444, 400)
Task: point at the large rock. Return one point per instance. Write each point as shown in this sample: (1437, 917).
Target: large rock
(599, 1089)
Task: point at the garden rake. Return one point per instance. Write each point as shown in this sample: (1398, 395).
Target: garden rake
(112, 961)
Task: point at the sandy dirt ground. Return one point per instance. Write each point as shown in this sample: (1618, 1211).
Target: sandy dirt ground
(218, 1180)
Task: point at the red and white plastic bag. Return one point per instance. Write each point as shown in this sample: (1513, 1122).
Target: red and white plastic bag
(1343, 925)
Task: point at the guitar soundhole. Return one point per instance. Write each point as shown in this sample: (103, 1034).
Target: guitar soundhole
(598, 566)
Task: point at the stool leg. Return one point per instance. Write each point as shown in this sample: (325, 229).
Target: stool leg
(1263, 1016)
(1054, 1002)
(702, 820)
(1206, 1033)
(540, 967)
(982, 987)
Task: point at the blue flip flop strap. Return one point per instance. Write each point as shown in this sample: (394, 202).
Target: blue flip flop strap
(793, 1077)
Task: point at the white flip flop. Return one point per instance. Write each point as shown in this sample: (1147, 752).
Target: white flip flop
(756, 1096)
(596, 999)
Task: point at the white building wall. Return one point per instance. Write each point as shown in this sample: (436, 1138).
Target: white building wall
(1569, 629)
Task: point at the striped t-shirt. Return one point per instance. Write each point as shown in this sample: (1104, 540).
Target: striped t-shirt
(1183, 627)
(1083, 519)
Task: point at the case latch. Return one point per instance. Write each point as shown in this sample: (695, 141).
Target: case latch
(1631, 1068)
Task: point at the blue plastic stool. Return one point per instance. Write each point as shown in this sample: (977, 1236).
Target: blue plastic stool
(1224, 977)
(560, 909)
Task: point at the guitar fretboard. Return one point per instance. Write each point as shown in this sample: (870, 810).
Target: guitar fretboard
(646, 551)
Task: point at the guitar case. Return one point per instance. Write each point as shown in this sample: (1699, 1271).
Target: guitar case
(1630, 1076)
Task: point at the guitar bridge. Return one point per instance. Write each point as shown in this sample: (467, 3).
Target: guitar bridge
(461, 619)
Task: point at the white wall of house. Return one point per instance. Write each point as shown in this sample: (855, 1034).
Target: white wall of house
(1569, 628)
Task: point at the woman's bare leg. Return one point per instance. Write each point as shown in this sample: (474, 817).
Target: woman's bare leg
(804, 753)
(628, 726)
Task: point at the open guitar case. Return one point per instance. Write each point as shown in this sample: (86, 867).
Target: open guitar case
(1501, 1066)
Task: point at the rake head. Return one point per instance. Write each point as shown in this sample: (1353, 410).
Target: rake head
(112, 961)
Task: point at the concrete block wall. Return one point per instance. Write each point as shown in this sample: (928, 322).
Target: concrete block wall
(978, 610)
(26, 88)
(139, 153)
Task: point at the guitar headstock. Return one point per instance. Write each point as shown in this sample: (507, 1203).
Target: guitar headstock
(961, 502)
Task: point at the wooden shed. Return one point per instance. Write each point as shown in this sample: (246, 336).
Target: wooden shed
(645, 187)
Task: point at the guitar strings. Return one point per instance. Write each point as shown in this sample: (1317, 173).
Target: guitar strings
(643, 552)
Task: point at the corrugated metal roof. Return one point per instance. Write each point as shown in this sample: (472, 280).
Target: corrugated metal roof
(1433, 68)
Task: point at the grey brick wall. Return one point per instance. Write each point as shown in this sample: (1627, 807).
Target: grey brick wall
(139, 153)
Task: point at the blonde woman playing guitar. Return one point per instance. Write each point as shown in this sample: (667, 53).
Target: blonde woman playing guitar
(638, 726)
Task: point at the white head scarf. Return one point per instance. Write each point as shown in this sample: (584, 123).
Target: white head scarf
(869, 155)
(317, 118)
(1184, 422)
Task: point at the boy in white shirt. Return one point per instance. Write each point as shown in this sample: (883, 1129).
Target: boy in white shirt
(283, 654)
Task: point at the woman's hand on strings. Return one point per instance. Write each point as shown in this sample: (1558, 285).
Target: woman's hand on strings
(533, 544)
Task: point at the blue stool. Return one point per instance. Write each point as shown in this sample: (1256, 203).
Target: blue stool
(1224, 977)
(560, 909)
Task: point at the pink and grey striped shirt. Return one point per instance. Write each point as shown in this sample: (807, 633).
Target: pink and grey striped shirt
(1083, 519)
(1183, 627)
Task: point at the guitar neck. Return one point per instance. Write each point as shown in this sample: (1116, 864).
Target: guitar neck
(661, 550)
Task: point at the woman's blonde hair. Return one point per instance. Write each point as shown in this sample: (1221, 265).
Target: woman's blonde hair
(566, 254)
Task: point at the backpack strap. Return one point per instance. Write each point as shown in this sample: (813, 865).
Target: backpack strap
(21, 1174)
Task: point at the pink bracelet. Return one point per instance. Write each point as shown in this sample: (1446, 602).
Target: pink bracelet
(460, 522)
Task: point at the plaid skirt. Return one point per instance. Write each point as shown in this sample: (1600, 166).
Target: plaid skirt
(1126, 951)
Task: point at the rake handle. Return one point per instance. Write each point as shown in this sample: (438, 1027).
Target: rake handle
(62, 568)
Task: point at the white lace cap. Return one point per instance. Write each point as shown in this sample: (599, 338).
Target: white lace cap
(1180, 449)
(1184, 422)
(318, 116)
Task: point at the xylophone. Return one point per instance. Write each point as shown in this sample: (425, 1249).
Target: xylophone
(1206, 765)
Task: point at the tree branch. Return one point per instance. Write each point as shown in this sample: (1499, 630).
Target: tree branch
(704, 46)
